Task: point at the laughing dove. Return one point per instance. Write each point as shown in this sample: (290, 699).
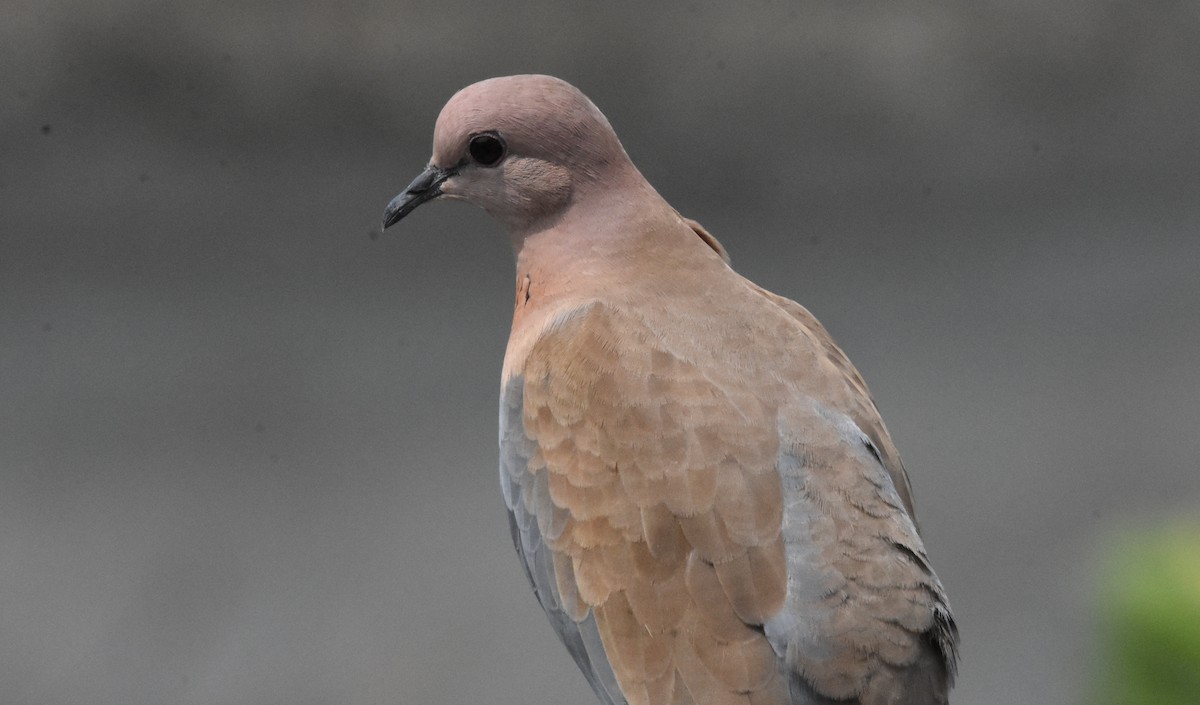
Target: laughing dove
(700, 488)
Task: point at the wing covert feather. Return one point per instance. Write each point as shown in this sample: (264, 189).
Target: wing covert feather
(716, 535)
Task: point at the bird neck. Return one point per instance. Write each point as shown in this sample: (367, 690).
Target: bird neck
(599, 235)
(624, 247)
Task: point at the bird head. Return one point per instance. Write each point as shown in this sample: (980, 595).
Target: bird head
(523, 148)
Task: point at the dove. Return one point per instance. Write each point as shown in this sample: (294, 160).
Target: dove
(699, 486)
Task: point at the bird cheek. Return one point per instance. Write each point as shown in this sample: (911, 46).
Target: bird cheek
(543, 185)
(473, 185)
(452, 188)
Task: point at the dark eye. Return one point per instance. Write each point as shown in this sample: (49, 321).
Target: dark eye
(486, 149)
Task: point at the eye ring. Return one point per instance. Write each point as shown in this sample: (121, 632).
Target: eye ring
(487, 149)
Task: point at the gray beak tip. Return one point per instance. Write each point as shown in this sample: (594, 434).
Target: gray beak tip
(426, 187)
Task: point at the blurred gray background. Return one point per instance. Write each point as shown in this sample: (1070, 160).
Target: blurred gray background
(247, 452)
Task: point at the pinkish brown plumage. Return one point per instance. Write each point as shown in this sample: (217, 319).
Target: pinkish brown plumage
(702, 492)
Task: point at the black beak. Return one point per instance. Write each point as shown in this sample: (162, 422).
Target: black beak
(425, 187)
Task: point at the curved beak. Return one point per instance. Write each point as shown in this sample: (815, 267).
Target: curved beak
(426, 187)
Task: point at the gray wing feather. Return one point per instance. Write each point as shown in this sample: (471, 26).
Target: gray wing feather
(531, 515)
(803, 631)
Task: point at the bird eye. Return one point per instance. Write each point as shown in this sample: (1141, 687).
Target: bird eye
(486, 149)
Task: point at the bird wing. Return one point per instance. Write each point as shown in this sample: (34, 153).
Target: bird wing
(859, 405)
(695, 537)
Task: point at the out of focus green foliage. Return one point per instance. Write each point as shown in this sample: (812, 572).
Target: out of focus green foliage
(1150, 619)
